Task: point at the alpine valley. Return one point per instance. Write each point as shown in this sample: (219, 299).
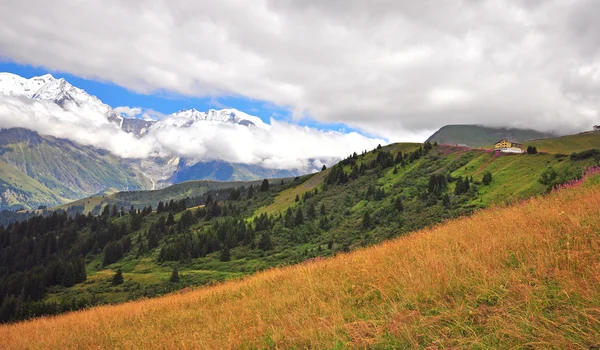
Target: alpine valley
(44, 171)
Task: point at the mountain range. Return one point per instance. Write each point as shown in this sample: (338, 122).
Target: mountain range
(40, 170)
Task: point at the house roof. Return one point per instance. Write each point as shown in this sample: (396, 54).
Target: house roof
(508, 141)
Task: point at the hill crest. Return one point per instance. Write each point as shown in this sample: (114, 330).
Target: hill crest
(479, 135)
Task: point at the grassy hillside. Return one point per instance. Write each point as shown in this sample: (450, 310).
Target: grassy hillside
(210, 233)
(568, 144)
(18, 190)
(524, 276)
(479, 136)
(140, 199)
(68, 170)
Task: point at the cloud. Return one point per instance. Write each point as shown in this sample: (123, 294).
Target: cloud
(129, 111)
(281, 146)
(396, 68)
(85, 126)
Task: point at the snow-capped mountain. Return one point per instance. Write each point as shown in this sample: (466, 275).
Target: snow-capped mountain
(14, 85)
(46, 87)
(101, 171)
(61, 92)
(187, 117)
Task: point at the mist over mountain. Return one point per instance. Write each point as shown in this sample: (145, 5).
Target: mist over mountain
(65, 144)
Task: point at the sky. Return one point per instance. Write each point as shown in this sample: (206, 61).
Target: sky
(390, 69)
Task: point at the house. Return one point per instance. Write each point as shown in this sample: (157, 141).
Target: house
(507, 146)
(596, 127)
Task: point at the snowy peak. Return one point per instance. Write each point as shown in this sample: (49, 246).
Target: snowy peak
(61, 92)
(14, 85)
(187, 117)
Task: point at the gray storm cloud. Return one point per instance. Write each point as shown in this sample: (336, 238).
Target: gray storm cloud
(398, 69)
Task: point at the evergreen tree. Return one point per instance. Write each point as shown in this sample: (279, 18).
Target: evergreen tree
(114, 212)
(106, 211)
(398, 205)
(234, 194)
(135, 222)
(118, 278)
(225, 254)
(170, 219)
(265, 241)
(366, 220)
(324, 167)
(299, 218)
(487, 178)
(68, 279)
(174, 276)
(264, 187)
(311, 213)
(323, 211)
(297, 198)
(446, 201)
(152, 238)
(250, 192)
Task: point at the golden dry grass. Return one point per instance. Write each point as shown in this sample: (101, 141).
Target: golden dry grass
(526, 276)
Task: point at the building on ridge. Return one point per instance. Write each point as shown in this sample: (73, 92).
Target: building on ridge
(507, 146)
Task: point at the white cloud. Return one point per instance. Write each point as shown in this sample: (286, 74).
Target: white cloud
(131, 112)
(282, 146)
(378, 65)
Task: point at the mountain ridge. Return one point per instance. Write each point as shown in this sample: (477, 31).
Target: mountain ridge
(474, 135)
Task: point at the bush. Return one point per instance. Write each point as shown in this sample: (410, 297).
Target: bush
(590, 153)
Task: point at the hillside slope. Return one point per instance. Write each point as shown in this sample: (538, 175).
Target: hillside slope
(140, 199)
(69, 170)
(520, 276)
(479, 136)
(210, 233)
(568, 144)
(65, 171)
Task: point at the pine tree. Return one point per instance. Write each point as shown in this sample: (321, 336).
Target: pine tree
(68, 279)
(265, 241)
(174, 276)
(487, 178)
(297, 199)
(323, 211)
(170, 219)
(250, 192)
(398, 205)
(225, 254)
(106, 211)
(324, 167)
(264, 187)
(118, 278)
(299, 219)
(366, 220)
(311, 213)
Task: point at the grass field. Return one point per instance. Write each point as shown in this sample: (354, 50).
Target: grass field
(568, 144)
(524, 276)
(515, 175)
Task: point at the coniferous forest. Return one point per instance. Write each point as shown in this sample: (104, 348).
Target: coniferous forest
(65, 261)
